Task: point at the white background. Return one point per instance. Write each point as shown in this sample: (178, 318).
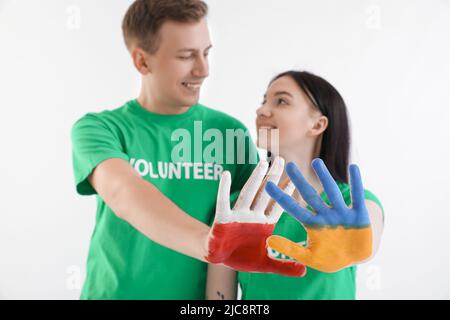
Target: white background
(389, 59)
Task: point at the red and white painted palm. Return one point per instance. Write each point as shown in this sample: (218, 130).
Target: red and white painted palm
(238, 236)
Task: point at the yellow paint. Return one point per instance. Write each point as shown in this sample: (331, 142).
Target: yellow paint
(329, 249)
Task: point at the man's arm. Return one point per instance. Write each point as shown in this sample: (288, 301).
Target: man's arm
(143, 206)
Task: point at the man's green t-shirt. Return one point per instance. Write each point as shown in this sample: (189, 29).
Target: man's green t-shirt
(183, 156)
(315, 285)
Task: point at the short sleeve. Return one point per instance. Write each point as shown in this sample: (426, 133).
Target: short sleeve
(92, 143)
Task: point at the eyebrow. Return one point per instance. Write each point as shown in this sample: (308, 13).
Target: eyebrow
(193, 50)
(278, 93)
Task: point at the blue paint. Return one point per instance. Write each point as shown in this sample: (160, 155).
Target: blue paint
(338, 215)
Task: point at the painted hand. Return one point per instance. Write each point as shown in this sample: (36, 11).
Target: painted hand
(338, 236)
(238, 237)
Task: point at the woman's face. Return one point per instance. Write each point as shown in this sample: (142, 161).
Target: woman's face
(287, 109)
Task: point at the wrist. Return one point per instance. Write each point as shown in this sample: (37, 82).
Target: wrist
(203, 245)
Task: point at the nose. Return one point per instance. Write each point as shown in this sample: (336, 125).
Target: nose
(201, 68)
(263, 111)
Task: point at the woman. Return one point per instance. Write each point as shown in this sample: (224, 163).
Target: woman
(311, 119)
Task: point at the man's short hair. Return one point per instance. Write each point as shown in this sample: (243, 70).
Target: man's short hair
(144, 18)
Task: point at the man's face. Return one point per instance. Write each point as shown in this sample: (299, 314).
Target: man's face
(179, 67)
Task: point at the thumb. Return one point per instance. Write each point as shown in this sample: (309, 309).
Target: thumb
(290, 249)
(223, 198)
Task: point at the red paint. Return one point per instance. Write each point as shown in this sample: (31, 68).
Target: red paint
(242, 246)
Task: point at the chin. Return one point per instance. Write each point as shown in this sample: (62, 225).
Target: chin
(190, 101)
(262, 145)
(266, 144)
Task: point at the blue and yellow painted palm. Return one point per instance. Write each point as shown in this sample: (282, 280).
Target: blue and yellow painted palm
(338, 236)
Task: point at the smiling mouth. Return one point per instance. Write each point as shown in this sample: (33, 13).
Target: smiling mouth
(266, 127)
(192, 85)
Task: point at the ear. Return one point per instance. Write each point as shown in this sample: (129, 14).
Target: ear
(141, 61)
(320, 125)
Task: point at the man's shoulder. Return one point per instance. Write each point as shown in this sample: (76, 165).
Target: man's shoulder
(104, 116)
(221, 117)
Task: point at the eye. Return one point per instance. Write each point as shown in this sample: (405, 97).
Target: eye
(281, 101)
(185, 57)
(264, 102)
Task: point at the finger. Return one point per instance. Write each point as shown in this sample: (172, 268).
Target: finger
(274, 176)
(260, 190)
(223, 197)
(286, 267)
(357, 190)
(290, 249)
(290, 205)
(286, 185)
(276, 210)
(331, 189)
(251, 187)
(306, 190)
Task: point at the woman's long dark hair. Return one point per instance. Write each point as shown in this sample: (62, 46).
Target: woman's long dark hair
(335, 148)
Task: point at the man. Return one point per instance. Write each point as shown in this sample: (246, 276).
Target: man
(156, 184)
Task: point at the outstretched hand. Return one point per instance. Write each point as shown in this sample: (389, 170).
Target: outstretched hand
(238, 237)
(338, 236)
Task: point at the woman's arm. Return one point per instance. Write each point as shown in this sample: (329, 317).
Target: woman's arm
(377, 223)
(221, 283)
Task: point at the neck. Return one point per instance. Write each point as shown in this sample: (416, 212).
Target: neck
(156, 105)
